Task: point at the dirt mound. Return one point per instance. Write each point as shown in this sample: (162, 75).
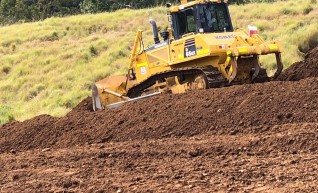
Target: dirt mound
(85, 105)
(303, 69)
(246, 138)
(234, 110)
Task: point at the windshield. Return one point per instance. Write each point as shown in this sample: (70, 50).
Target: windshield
(214, 18)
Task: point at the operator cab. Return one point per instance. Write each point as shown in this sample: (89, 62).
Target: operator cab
(201, 18)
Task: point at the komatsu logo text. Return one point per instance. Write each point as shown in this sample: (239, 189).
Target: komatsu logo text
(225, 37)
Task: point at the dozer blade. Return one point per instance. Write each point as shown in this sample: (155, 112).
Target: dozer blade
(108, 91)
(114, 105)
(97, 104)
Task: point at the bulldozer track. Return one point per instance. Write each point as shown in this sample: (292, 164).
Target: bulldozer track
(213, 76)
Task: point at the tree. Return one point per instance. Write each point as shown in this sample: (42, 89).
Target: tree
(20, 10)
(32, 10)
(88, 6)
(7, 8)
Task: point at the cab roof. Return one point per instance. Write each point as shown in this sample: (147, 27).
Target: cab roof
(185, 4)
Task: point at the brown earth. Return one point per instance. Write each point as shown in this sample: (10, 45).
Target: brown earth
(247, 138)
(302, 69)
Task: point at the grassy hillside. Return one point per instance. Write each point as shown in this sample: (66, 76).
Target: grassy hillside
(48, 67)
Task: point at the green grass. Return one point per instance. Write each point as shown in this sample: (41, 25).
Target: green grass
(48, 67)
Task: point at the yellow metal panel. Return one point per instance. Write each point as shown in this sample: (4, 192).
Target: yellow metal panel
(243, 50)
(161, 54)
(228, 59)
(231, 70)
(174, 9)
(142, 64)
(180, 56)
(273, 47)
(203, 51)
(134, 50)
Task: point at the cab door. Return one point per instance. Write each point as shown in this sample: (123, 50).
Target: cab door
(184, 24)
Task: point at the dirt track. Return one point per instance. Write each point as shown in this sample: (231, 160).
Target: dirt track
(261, 138)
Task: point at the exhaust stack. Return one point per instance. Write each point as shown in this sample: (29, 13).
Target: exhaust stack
(155, 31)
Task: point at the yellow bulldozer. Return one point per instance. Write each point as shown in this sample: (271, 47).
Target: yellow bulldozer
(200, 50)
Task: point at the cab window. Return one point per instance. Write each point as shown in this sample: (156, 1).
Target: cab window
(215, 18)
(186, 22)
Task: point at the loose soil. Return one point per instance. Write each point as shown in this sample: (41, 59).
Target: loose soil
(302, 69)
(246, 138)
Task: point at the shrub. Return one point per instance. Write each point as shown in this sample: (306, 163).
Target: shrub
(52, 37)
(6, 114)
(93, 50)
(6, 69)
(307, 9)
